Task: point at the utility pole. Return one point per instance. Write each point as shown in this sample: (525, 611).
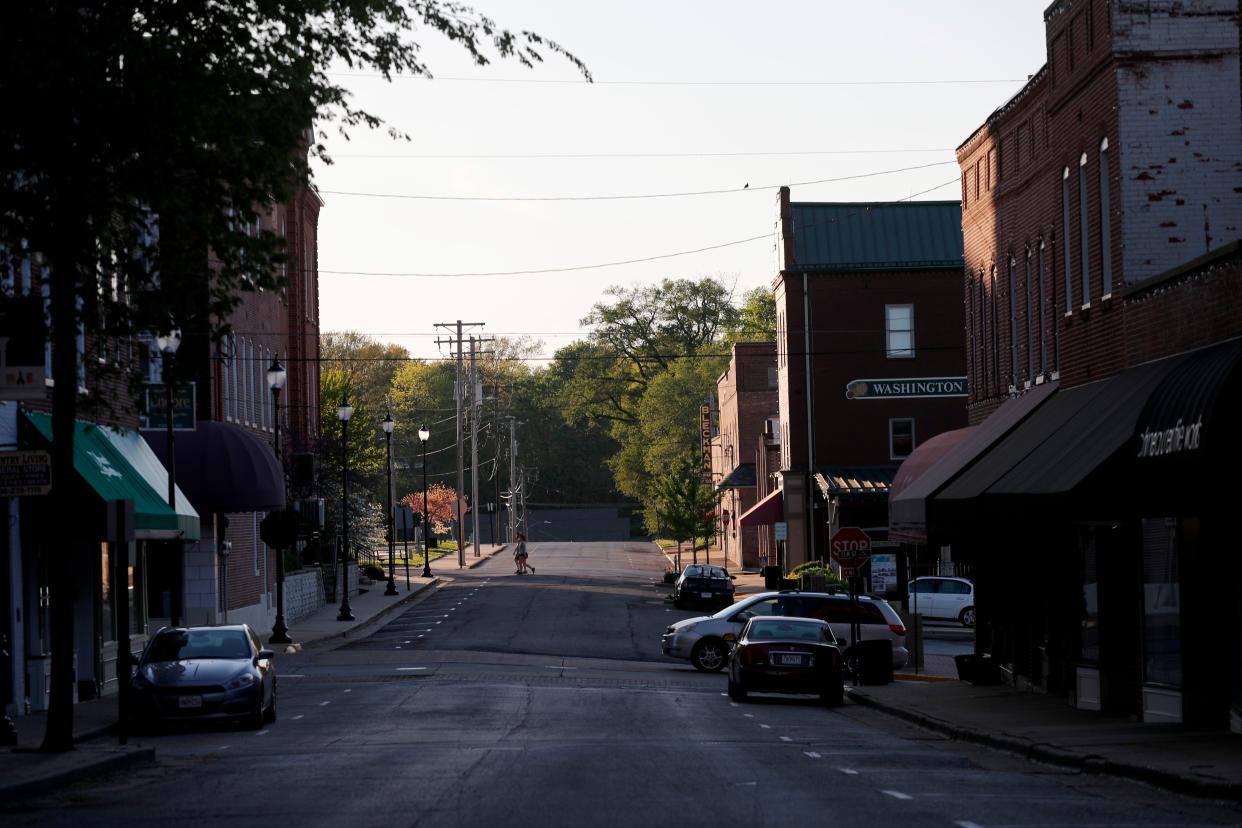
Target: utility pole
(458, 391)
(512, 478)
(476, 393)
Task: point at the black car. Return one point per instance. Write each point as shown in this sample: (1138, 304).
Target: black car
(197, 673)
(702, 584)
(781, 654)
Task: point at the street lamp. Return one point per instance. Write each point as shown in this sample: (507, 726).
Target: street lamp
(276, 376)
(388, 425)
(344, 411)
(168, 344)
(423, 436)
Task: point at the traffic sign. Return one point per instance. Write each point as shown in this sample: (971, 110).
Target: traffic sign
(781, 528)
(851, 548)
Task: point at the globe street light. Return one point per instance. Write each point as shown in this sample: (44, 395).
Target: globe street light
(423, 436)
(276, 376)
(344, 411)
(168, 344)
(388, 425)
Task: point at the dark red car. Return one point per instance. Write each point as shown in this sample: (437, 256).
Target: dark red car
(780, 654)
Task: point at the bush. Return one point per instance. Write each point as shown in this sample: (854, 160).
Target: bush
(816, 568)
(670, 576)
(374, 572)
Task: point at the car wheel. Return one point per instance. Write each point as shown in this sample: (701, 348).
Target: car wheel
(834, 694)
(967, 617)
(709, 655)
(737, 692)
(269, 715)
(254, 719)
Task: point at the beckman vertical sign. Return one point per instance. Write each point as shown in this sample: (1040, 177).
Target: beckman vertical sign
(705, 440)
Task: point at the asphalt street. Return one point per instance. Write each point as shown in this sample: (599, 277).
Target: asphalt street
(543, 699)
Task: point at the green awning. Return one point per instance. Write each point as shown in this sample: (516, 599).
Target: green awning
(119, 465)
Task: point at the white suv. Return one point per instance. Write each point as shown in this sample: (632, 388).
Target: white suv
(952, 599)
(701, 640)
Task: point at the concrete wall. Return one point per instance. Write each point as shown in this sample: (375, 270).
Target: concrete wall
(303, 594)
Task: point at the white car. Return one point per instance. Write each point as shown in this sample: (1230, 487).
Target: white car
(952, 599)
(702, 641)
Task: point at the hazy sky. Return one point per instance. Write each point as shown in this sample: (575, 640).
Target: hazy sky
(729, 93)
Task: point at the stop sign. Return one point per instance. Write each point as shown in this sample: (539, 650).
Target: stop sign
(850, 547)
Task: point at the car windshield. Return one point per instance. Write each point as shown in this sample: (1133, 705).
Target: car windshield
(184, 644)
(772, 630)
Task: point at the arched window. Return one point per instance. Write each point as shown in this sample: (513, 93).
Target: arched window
(1065, 245)
(1106, 252)
(1085, 249)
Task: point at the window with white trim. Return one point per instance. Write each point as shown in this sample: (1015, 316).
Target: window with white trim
(1068, 265)
(1084, 250)
(1030, 321)
(900, 438)
(1013, 323)
(1106, 253)
(1043, 336)
(899, 331)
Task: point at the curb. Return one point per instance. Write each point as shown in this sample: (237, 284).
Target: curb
(59, 779)
(482, 559)
(382, 614)
(1053, 755)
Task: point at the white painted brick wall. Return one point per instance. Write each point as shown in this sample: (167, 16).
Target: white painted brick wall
(1175, 25)
(303, 594)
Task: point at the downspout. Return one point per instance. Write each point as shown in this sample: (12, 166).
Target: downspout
(810, 422)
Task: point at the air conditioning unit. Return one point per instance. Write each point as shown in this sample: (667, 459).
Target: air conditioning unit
(311, 511)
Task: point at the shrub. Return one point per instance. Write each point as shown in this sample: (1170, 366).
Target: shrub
(670, 576)
(374, 572)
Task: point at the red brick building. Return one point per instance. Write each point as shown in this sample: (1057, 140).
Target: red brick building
(869, 357)
(1101, 213)
(746, 392)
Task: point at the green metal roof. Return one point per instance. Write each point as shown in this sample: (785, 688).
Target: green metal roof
(120, 466)
(902, 235)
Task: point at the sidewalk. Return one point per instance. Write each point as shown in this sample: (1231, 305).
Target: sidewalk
(1046, 729)
(24, 771)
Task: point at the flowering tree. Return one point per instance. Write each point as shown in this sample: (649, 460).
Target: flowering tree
(440, 500)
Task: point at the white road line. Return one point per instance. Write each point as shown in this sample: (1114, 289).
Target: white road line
(348, 690)
(965, 823)
(224, 747)
(261, 733)
(810, 754)
(766, 727)
(897, 794)
(295, 718)
(749, 715)
(324, 703)
(290, 675)
(786, 739)
(848, 771)
(411, 668)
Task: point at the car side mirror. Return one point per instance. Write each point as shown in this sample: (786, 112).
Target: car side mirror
(265, 655)
(732, 577)
(742, 617)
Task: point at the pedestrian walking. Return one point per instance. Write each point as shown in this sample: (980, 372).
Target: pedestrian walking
(521, 557)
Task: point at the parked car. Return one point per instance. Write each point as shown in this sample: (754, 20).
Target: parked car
(779, 654)
(703, 584)
(196, 673)
(943, 597)
(702, 639)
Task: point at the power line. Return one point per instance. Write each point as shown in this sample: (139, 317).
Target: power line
(636, 196)
(594, 82)
(587, 155)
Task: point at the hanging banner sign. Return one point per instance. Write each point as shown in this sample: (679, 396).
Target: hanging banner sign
(184, 404)
(705, 440)
(25, 473)
(904, 389)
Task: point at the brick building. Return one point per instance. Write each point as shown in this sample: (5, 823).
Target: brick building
(869, 358)
(748, 408)
(1101, 214)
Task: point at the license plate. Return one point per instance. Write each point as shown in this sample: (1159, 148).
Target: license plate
(187, 702)
(708, 594)
(789, 660)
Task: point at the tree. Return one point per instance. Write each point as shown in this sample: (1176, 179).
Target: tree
(441, 506)
(683, 503)
(757, 317)
(164, 131)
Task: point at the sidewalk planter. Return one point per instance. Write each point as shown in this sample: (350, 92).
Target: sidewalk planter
(788, 583)
(975, 668)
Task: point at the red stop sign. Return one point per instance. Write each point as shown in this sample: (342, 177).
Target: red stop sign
(850, 547)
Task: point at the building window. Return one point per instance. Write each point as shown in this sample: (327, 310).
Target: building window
(971, 366)
(899, 330)
(981, 361)
(1013, 323)
(1030, 321)
(965, 194)
(1162, 608)
(995, 333)
(1106, 253)
(772, 380)
(1065, 237)
(900, 438)
(1083, 231)
(1043, 325)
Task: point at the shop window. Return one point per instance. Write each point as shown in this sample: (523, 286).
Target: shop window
(1089, 610)
(900, 438)
(1162, 610)
(899, 330)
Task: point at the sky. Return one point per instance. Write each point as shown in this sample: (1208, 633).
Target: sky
(690, 97)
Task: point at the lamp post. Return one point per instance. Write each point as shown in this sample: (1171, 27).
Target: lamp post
(276, 376)
(168, 344)
(344, 411)
(388, 425)
(423, 436)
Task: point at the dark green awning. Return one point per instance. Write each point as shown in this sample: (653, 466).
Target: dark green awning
(118, 465)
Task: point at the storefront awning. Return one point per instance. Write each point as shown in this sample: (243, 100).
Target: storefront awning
(224, 468)
(742, 477)
(118, 465)
(766, 512)
(855, 481)
(944, 457)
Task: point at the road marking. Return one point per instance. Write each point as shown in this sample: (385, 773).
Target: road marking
(766, 727)
(810, 754)
(749, 715)
(897, 794)
(558, 667)
(290, 675)
(223, 747)
(348, 690)
(295, 718)
(965, 823)
(411, 668)
(324, 703)
(261, 733)
(407, 641)
(848, 771)
(786, 739)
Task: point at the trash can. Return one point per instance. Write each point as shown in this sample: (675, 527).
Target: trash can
(872, 661)
(772, 577)
(976, 668)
